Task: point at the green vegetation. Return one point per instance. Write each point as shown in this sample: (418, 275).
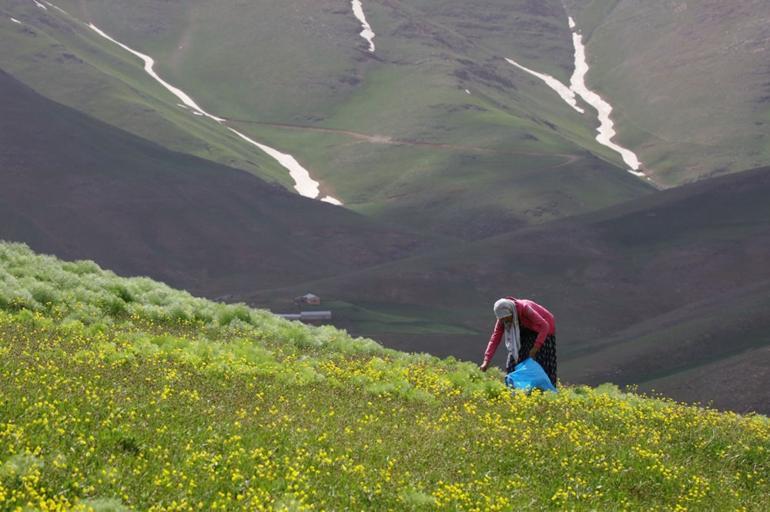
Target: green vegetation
(123, 394)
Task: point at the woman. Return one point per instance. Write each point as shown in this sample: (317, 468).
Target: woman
(529, 330)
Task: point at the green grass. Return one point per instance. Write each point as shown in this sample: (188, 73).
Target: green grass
(457, 190)
(125, 393)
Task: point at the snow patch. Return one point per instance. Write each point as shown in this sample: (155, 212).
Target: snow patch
(40, 5)
(303, 183)
(567, 94)
(57, 8)
(16, 21)
(367, 32)
(606, 130)
(149, 64)
(331, 200)
(467, 91)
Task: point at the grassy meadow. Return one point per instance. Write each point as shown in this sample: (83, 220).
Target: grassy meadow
(123, 394)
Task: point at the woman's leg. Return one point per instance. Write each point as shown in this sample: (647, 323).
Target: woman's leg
(547, 357)
(528, 338)
(510, 363)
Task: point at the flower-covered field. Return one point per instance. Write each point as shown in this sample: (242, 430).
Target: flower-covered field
(122, 394)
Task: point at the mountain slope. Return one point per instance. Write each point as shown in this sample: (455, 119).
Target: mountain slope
(393, 134)
(690, 80)
(710, 351)
(80, 188)
(63, 59)
(101, 378)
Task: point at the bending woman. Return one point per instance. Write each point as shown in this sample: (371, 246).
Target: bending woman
(529, 331)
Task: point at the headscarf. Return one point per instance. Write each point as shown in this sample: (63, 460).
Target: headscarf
(504, 308)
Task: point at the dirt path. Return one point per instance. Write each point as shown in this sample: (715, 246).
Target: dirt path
(385, 139)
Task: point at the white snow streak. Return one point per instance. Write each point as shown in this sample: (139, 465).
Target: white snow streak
(57, 8)
(367, 32)
(16, 21)
(303, 183)
(331, 200)
(562, 90)
(606, 130)
(606, 126)
(149, 64)
(40, 5)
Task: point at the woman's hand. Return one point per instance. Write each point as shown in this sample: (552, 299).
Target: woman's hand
(483, 367)
(533, 352)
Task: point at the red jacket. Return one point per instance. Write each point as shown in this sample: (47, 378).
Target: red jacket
(532, 316)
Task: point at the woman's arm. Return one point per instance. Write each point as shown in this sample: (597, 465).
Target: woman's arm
(494, 341)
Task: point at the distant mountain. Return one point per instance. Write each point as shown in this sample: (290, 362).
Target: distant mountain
(644, 290)
(433, 129)
(79, 188)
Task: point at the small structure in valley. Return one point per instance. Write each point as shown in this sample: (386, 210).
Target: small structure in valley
(308, 298)
(307, 316)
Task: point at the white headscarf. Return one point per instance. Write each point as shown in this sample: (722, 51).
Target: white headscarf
(504, 308)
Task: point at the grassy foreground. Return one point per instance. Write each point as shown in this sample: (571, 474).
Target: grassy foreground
(123, 394)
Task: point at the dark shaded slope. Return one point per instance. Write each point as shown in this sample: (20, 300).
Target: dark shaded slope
(708, 351)
(600, 273)
(738, 383)
(80, 188)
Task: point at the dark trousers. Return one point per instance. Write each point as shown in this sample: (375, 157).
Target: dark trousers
(546, 356)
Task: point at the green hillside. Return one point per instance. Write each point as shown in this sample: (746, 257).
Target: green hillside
(394, 134)
(658, 62)
(123, 394)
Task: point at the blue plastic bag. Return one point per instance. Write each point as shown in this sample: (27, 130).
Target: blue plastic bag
(529, 375)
